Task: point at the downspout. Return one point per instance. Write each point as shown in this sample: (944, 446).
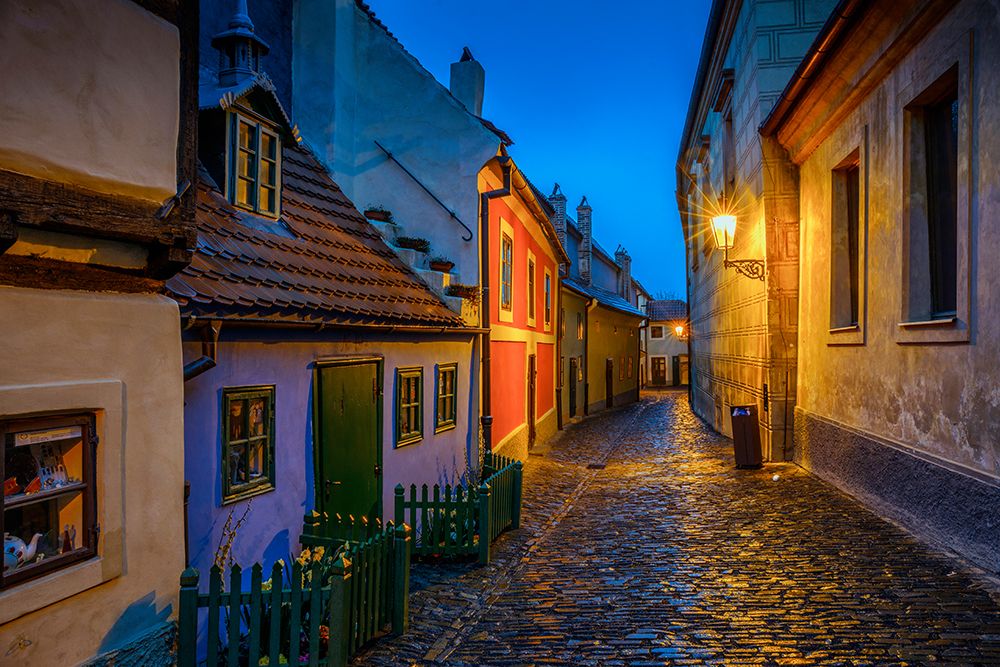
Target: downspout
(560, 327)
(209, 350)
(484, 300)
(586, 359)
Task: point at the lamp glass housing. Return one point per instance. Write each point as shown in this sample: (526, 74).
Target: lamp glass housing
(679, 330)
(724, 228)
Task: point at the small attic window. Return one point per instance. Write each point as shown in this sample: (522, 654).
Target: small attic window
(254, 166)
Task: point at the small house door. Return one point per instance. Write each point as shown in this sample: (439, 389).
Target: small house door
(348, 438)
(573, 372)
(675, 370)
(684, 370)
(532, 373)
(609, 383)
(659, 370)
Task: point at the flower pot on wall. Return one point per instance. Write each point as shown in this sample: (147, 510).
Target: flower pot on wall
(442, 265)
(378, 214)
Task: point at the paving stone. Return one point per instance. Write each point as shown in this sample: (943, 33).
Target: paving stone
(668, 555)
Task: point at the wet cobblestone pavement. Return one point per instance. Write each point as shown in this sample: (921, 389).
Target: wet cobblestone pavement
(669, 556)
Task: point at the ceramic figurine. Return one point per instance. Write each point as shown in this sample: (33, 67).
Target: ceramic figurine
(16, 553)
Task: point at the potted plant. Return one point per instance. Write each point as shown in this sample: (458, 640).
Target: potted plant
(468, 292)
(413, 243)
(441, 264)
(378, 212)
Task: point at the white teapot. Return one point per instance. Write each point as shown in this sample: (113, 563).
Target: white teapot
(16, 553)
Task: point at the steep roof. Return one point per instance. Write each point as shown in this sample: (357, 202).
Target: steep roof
(603, 297)
(662, 310)
(367, 11)
(322, 262)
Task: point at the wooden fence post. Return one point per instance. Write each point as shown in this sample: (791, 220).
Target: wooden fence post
(515, 520)
(400, 501)
(338, 645)
(187, 640)
(484, 523)
(401, 577)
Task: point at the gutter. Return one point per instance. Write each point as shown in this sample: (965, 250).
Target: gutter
(841, 20)
(209, 349)
(320, 326)
(486, 419)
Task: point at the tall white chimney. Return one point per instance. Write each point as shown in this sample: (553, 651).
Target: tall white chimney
(468, 82)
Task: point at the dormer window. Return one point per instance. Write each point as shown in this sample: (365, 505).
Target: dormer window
(254, 173)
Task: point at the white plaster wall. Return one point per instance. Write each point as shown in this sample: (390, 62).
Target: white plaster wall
(90, 95)
(62, 339)
(352, 85)
(940, 399)
(669, 346)
(274, 524)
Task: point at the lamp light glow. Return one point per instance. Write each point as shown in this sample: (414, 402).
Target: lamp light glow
(679, 330)
(724, 228)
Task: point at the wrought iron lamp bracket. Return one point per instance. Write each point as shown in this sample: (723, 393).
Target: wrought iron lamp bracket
(751, 268)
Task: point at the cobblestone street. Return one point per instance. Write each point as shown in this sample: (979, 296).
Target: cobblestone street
(641, 544)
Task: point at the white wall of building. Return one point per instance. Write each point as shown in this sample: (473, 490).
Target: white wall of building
(90, 96)
(353, 85)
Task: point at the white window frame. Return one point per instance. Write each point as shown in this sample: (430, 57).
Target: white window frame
(506, 314)
(547, 298)
(531, 289)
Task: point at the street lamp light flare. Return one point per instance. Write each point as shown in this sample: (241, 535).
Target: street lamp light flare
(724, 227)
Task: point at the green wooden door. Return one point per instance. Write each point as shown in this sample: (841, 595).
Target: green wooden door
(348, 438)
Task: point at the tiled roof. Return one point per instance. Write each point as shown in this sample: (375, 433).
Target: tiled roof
(662, 310)
(321, 263)
(367, 11)
(603, 296)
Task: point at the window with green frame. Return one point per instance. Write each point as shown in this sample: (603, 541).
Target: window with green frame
(409, 405)
(255, 166)
(446, 407)
(247, 441)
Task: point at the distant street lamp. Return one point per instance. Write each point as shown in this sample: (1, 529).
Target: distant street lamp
(724, 228)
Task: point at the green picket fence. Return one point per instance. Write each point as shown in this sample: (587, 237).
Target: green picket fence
(452, 521)
(318, 614)
(320, 530)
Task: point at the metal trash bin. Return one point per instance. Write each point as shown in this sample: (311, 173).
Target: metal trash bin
(746, 436)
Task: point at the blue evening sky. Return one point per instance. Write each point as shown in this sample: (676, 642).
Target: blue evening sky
(594, 94)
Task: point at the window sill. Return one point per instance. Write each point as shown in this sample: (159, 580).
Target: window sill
(942, 330)
(849, 335)
(408, 441)
(940, 322)
(243, 494)
(39, 593)
(450, 426)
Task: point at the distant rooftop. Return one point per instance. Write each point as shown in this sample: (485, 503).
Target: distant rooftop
(661, 310)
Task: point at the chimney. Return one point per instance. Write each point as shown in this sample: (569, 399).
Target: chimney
(625, 262)
(583, 221)
(468, 81)
(558, 220)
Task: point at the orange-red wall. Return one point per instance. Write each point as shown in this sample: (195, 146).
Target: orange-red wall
(509, 372)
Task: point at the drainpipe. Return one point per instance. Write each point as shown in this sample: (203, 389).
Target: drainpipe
(560, 324)
(209, 350)
(484, 301)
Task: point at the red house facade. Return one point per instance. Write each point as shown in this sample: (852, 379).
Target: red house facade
(521, 275)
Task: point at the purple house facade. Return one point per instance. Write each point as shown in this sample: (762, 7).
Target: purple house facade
(320, 370)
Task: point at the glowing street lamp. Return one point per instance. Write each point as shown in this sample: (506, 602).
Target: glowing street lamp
(724, 228)
(679, 330)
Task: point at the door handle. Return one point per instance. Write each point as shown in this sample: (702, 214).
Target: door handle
(330, 483)
(378, 470)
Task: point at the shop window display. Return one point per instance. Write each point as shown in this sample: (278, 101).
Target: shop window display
(49, 495)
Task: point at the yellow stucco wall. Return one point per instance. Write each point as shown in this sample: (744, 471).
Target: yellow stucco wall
(119, 356)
